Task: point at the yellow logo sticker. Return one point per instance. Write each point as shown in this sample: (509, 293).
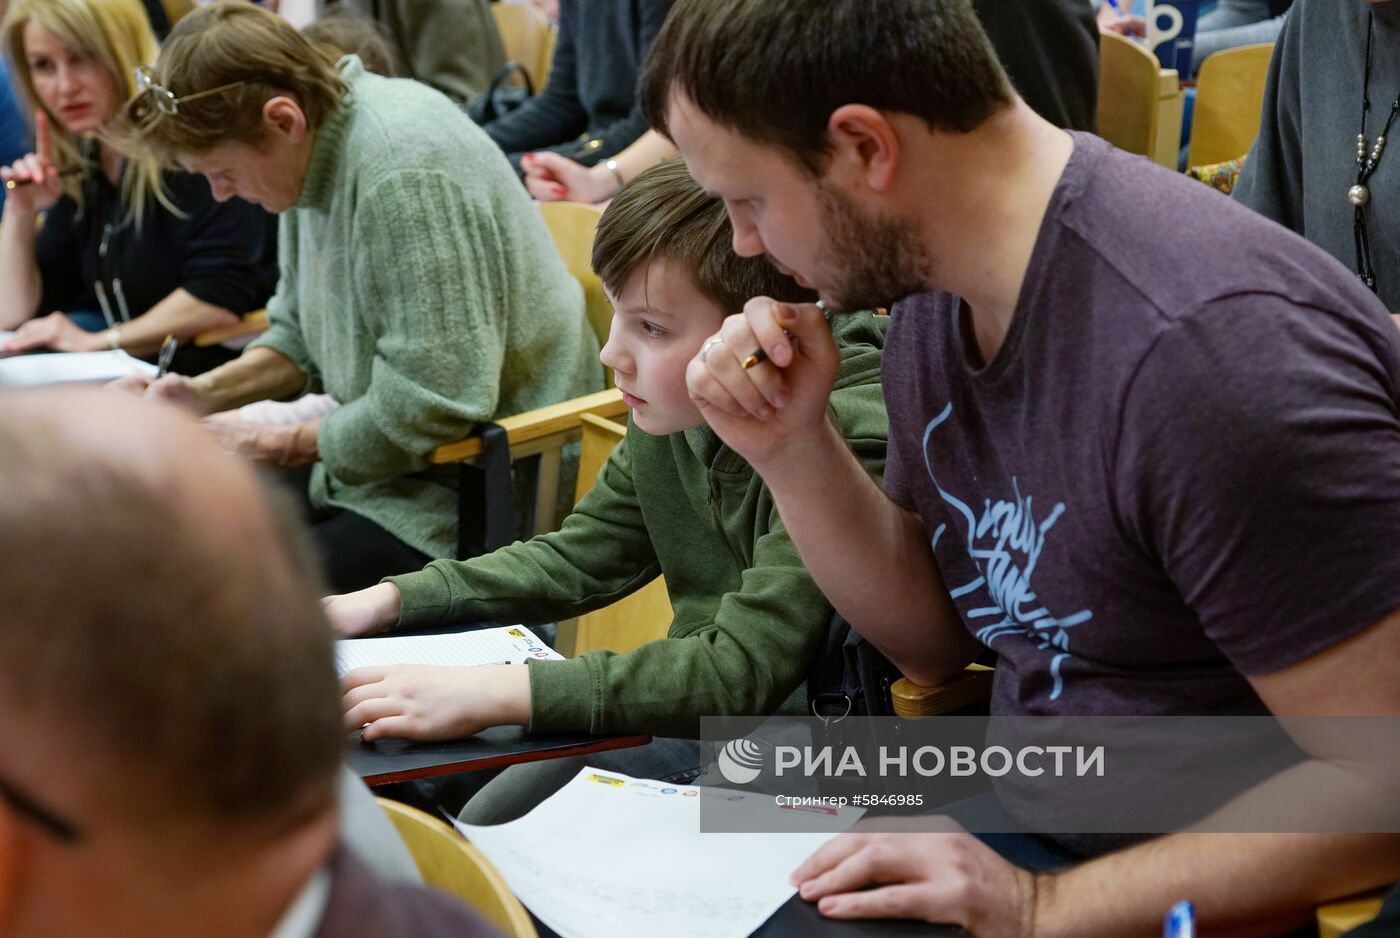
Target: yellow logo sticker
(615, 782)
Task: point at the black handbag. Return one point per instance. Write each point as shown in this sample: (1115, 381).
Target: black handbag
(500, 98)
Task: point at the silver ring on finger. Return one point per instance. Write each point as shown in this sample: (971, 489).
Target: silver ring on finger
(710, 343)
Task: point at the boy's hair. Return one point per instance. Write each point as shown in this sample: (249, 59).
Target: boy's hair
(116, 35)
(129, 621)
(774, 72)
(341, 31)
(251, 53)
(663, 213)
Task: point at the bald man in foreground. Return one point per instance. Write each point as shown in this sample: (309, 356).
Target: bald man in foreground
(171, 737)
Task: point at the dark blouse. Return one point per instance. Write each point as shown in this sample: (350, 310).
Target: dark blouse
(224, 254)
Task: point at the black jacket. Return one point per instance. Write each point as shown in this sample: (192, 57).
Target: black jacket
(592, 85)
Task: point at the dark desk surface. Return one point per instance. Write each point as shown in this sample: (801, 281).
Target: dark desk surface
(800, 919)
(398, 760)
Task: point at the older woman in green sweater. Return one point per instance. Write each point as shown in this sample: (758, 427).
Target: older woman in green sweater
(419, 286)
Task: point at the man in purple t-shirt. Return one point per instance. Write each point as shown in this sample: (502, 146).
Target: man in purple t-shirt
(1144, 445)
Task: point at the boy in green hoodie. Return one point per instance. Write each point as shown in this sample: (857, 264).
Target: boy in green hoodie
(672, 500)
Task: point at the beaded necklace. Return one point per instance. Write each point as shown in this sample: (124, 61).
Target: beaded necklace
(1359, 195)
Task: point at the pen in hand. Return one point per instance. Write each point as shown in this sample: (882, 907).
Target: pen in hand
(166, 356)
(62, 174)
(759, 355)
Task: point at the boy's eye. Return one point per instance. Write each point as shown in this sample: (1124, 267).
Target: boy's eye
(652, 330)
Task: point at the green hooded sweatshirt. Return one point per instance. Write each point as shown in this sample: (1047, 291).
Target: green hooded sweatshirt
(748, 618)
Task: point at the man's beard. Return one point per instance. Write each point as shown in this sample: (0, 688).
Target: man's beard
(877, 261)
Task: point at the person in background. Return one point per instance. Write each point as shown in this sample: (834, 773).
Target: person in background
(341, 31)
(1231, 24)
(1049, 47)
(588, 110)
(672, 500)
(127, 254)
(153, 785)
(420, 288)
(1325, 164)
(450, 45)
(14, 135)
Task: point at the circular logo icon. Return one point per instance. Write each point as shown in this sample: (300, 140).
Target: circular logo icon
(740, 761)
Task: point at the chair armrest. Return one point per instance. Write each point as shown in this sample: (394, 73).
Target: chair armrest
(914, 700)
(1336, 918)
(251, 324)
(533, 425)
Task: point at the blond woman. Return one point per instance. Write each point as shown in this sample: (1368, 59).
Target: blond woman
(126, 254)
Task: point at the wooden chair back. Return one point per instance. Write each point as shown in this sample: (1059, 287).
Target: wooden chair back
(524, 34)
(1229, 97)
(175, 10)
(449, 863)
(645, 615)
(1140, 103)
(573, 225)
(551, 40)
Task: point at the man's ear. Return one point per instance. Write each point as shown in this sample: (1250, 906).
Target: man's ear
(284, 117)
(864, 144)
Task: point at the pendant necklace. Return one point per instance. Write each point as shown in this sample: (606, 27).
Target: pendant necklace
(1359, 195)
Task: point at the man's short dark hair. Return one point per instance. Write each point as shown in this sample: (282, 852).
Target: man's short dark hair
(774, 71)
(664, 214)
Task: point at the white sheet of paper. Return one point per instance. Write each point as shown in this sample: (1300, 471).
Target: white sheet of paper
(610, 855)
(505, 644)
(61, 367)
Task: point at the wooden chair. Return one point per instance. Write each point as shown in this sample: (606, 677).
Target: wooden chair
(969, 689)
(1229, 97)
(524, 33)
(634, 620)
(485, 490)
(175, 10)
(1337, 918)
(1140, 103)
(551, 40)
(252, 324)
(573, 225)
(449, 863)
(485, 500)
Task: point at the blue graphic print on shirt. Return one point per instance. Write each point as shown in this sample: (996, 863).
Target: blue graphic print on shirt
(1005, 533)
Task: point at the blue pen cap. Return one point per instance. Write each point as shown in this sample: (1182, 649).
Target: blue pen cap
(1180, 921)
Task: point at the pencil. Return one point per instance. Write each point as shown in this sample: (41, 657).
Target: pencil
(759, 355)
(62, 174)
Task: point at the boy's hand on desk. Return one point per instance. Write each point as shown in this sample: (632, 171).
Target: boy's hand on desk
(425, 702)
(952, 878)
(364, 612)
(761, 410)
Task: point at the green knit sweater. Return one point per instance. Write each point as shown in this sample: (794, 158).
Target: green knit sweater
(748, 618)
(421, 289)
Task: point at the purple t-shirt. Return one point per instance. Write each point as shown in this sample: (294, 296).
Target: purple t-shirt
(1181, 467)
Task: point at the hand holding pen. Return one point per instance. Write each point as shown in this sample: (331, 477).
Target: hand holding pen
(32, 183)
(166, 356)
(763, 380)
